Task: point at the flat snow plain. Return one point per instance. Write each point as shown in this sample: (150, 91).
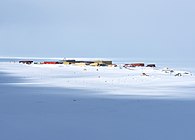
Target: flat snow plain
(113, 81)
(47, 102)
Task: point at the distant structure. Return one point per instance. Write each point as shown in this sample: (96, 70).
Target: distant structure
(97, 63)
(26, 62)
(135, 65)
(151, 65)
(51, 62)
(101, 63)
(67, 62)
(87, 63)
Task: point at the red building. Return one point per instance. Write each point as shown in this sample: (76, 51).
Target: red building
(50, 62)
(134, 65)
(137, 65)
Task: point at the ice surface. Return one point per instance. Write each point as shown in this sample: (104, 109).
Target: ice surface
(106, 81)
(47, 102)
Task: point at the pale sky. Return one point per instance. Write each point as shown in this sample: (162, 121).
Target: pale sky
(97, 28)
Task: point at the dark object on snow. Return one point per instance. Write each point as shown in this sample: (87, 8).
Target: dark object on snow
(26, 62)
(151, 65)
(71, 61)
(144, 74)
(168, 71)
(178, 74)
(103, 65)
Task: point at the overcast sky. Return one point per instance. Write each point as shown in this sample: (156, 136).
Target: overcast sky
(97, 28)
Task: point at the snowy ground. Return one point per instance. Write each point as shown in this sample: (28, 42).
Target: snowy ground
(105, 81)
(66, 102)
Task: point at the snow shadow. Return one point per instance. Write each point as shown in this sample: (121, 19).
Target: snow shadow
(29, 113)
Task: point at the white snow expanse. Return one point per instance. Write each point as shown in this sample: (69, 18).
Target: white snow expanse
(114, 81)
(59, 102)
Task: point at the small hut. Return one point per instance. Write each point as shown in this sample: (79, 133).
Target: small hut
(151, 65)
(137, 65)
(94, 64)
(103, 62)
(26, 62)
(80, 64)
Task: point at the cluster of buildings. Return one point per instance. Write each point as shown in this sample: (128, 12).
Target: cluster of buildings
(101, 63)
(139, 65)
(74, 62)
(96, 63)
